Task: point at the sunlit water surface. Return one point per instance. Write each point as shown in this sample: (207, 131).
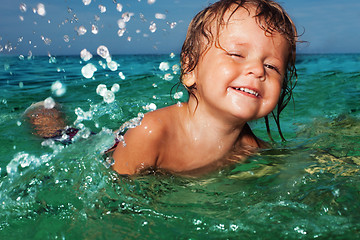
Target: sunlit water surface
(305, 188)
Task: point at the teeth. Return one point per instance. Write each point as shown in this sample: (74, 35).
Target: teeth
(248, 91)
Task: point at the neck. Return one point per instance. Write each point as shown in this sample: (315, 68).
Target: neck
(204, 124)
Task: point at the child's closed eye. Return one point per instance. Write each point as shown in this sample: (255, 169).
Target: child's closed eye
(236, 55)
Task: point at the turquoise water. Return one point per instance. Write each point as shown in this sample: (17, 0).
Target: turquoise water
(305, 188)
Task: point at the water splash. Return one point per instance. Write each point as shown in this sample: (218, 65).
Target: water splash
(40, 9)
(178, 95)
(150, 107)
(108, 95)
(86, 2)
(115, 88)
(103, 51)
(121, 23)
(160, 16)
(88, 70)
(102, 8)
(127, 16)
(66, 38)
(152, 27)
(121, 32)
(112, 65)
(164, 66)
(101, 89)
(58, 89)
(119, 7)
(23, 7)
(168, 77)
(49, 103)
(85, 55)
(172, 25)
(81, 30)
(122, 76)
(94, 29)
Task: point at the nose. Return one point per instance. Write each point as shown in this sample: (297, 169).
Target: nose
(255, 68)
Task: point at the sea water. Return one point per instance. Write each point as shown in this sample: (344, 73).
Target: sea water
(305, 188)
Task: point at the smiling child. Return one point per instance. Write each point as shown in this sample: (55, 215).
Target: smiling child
(237, 63)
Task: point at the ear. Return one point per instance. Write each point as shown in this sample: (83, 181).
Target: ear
(189, 79)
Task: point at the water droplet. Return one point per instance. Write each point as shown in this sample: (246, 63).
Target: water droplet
(142, 17)
(178, 95)
(127, 16)
(103, 51)
(21, 18)
(86, 2)
(115, 88)
(88, 70)
(101, 89)
(121, 23)
(172, 55)
(109, 97)
(160, 16)
(121, 75)
(94, 29)
(52, 59)
(85, 55)
(21, 57)
(46, 40)
(175, 68)
(58, 89)
(151, 1)
(119, 7)
(164, 66)
(112, 65)
(40, 9)
(66, 38)
(102, 8)
(49, 103)
(121, 32)
(172, 25)
(6, 67)
(23, 7)
(85, 133)
(150, 107)
(81, 30)
(168, 77)
(152, 27)
(21, 84)
(129, 39)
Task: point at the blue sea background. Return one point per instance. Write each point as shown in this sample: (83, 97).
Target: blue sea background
(307, 187)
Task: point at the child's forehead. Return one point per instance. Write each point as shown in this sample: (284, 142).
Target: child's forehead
(233, 14)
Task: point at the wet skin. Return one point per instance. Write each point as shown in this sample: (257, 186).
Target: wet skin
(235, 83)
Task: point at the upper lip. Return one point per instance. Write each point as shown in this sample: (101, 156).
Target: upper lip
(246, 89)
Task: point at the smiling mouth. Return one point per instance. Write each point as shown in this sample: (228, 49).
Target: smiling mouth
(246, 90)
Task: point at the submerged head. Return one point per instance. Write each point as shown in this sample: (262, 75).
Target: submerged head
(210, 29)
(45, 122)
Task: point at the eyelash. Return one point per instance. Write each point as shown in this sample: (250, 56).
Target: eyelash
(235, 55)
(272, 67)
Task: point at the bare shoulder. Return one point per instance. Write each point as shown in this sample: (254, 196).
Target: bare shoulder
(142, 144)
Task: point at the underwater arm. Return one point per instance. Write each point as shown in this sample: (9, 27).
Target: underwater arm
(141, 147)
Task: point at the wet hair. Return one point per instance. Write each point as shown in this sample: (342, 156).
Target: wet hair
(270, 17)
(45, 122)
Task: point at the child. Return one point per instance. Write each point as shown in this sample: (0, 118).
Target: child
(237, 63)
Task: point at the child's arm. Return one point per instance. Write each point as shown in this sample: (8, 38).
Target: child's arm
(142, 146)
